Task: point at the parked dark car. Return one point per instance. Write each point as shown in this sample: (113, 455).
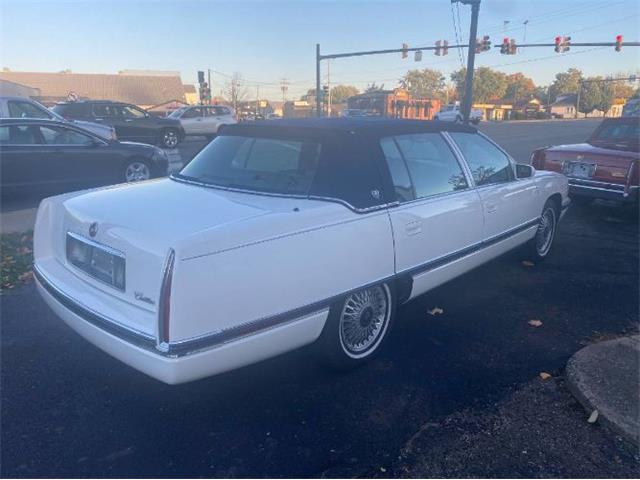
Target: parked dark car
(37, 154)
(131, 122)
(606, 166)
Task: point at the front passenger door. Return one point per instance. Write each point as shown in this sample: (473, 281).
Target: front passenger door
(508, 203)
(439, 219)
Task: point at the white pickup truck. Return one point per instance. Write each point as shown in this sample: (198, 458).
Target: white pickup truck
(452, 113)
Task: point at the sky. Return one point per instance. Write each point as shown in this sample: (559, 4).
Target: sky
(267, 41)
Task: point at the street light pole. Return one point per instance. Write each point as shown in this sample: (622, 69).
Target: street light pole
(318, 111)
(471, 57)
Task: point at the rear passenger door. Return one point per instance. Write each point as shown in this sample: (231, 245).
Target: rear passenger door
(439, 218)
(508, 203)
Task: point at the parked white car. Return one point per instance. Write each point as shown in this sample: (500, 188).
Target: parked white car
(281, 234)
(452, 113)
(204, 119)
(22, 107)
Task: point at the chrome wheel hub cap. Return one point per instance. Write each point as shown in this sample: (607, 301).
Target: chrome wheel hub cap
(137, 171)
(546, 230)
(364, 320)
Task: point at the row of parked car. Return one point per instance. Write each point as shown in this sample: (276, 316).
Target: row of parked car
(89, 143)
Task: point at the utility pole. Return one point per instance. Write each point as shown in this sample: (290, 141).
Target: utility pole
(209, 81)
(284, 86)
(471, 57)
(318, 106)
(578, 98)
(329, 88)
(257, 100)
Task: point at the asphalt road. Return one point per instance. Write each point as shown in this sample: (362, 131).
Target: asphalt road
(69, 410)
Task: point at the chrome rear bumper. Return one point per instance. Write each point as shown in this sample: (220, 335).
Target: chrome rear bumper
(603, 190)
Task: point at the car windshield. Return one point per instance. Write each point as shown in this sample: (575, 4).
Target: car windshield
(177, 113)
(623, 134)
(270, 165)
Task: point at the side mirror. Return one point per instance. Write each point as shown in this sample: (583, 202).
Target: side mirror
(524, 171)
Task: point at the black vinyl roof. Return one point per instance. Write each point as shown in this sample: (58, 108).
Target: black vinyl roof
(379, 126)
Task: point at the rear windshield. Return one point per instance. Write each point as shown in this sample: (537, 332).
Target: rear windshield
(617, 132)
(269, 165)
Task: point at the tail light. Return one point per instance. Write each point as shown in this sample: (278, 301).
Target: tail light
(537, 159)
(164, 304)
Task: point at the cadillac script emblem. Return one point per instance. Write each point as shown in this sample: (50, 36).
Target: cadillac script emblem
(93, 229)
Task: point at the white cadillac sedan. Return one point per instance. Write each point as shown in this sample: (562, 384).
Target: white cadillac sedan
(278, 235)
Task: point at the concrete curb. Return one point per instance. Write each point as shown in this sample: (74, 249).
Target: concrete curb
(605, 377)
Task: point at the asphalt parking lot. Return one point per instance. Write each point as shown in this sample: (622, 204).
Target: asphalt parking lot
(69, 410)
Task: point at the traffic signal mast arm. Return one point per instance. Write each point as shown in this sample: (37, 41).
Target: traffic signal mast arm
(382, 52)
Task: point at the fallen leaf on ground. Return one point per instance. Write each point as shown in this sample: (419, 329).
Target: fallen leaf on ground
(535, 323)
(593, 417)
(545, 375)
(436, 311)
(527, 263)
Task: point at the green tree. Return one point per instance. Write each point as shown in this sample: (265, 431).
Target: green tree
(488, 84)
(519, 87)
(590, 96)
(565, 82)
(607, 95)
(340, 93)
(425, 83)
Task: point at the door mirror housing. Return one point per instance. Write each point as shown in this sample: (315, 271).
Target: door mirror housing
(524, 171)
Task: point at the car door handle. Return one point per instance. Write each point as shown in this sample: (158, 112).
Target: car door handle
(128, 120)
(413, 228)
(98, 119)
(491, 207)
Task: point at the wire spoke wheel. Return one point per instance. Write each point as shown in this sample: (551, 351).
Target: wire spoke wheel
(137, 171)
(364, 320)
(546, 231)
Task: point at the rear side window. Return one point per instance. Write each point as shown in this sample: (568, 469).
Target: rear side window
(106, 110)
(64, 136)
(18, 109)
(268, 165)
(216, 111)
(487, 162)
(19, 135)
(428, 162)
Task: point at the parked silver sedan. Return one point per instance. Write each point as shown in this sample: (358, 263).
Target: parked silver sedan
(204, 119)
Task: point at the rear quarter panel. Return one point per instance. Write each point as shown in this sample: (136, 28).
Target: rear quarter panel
(237, 285)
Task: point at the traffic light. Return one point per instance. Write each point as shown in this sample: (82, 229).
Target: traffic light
(558, 42)
(200, 77)
(438, 50)
(504, 48)
(445, 47)
(486, 43)
(483, 45)
(513, 48)
(566, 44)
(618, 43)
(417, 56)
(405, 53)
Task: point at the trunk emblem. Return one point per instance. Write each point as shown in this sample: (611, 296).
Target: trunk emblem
(93, 229)
(580, 157)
